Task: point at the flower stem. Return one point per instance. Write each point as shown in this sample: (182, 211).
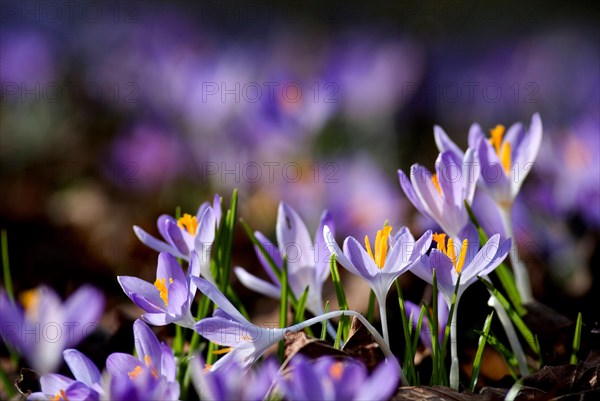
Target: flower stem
(384, 324)
(454, 351)
(520, 270)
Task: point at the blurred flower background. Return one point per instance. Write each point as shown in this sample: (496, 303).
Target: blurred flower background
(113, 113)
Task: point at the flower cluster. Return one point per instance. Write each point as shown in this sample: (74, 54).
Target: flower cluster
(297, 268)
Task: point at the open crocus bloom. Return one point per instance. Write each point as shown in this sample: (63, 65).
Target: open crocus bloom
(152, 375)
(86, 386)
(331, 379)
(169, 299)
(233, 382)
(378, 266)
(453, 258)
(45, 326)
(506, 157)
(186, 234)
(308, 261)
(441, 196)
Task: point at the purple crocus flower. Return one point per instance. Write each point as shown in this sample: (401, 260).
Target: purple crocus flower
(170, 298)
(232, 381)
(454, 260)
(378, 267)
(150, 376)
(86, 386)
(46, 326)
(308, 261)
(186, 234)
(331, 379)
(441, 196)
(453, 257)
(413, 311)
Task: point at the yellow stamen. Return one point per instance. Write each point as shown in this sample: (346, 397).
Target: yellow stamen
(222, 351)
(436, 183)
(336, 370)
(29, 299)
(61, 395)
(448, 250)
(188, 223)
(135, 372)
(502, 147)
(462, 256)
(440, 239)
(147, 360)
(207, 367)
(162, 288)
(505, 157)
(497, 134)
(381, 246)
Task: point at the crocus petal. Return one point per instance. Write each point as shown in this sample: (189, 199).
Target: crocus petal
(154, 243)
(218, 298)
(78, 391)
(12, 323)
(146, 342)
(428, 195)
(205, 234)
(159, 319)
(178, 298)
(492, 172)
(85, 307)
(471, 170)
(503, 250)
(52, 383)
(360, 258)
(293, 238)
(119, 364)
(483, 258)
(168, 268)
(409, 190)
(193, 270)
(475, 135)
(256, 284)
(444, 270)
(176, 236)
(272, 251)
(144, 294)
(168, 367)
(382, 384)
(82, 368)
(444, 143)
(323, 254)
(339, 255)
(526, 153)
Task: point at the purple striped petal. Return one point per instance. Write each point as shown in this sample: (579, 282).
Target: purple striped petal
(85, 307)
(82, 368)
(359, 258)
(323, 254)
(445, 144)
(146, 343)
(256, 284)
(142, 293)
(219, 299)
(293, 238)
(168, 268)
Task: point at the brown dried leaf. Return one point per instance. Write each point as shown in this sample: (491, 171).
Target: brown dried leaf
(28, 382)
(308, 346)
(362, 346)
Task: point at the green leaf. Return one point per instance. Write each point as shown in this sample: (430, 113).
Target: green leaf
(283, 306)
(508, 356)
(479, 354)
(409, 354)
(576, 340)
(6, 267)
(299, 315)
(341, 297)
(324, 324)
(227, 245)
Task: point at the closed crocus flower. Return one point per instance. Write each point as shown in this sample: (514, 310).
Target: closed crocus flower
(442, 195)
(307, 263)
(170, 298)
(45, 326)
(86, 386)
(150, 376)
(329, 379)
(186, 234)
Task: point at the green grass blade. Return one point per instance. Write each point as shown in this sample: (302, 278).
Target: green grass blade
(479, 354)
(227, 244)
(508, 356)
(299, 313)
(341, 297)
(576, 340)
(371, 307)
(409, 354)
(324, 324)
(283, 306)
(8, 286)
